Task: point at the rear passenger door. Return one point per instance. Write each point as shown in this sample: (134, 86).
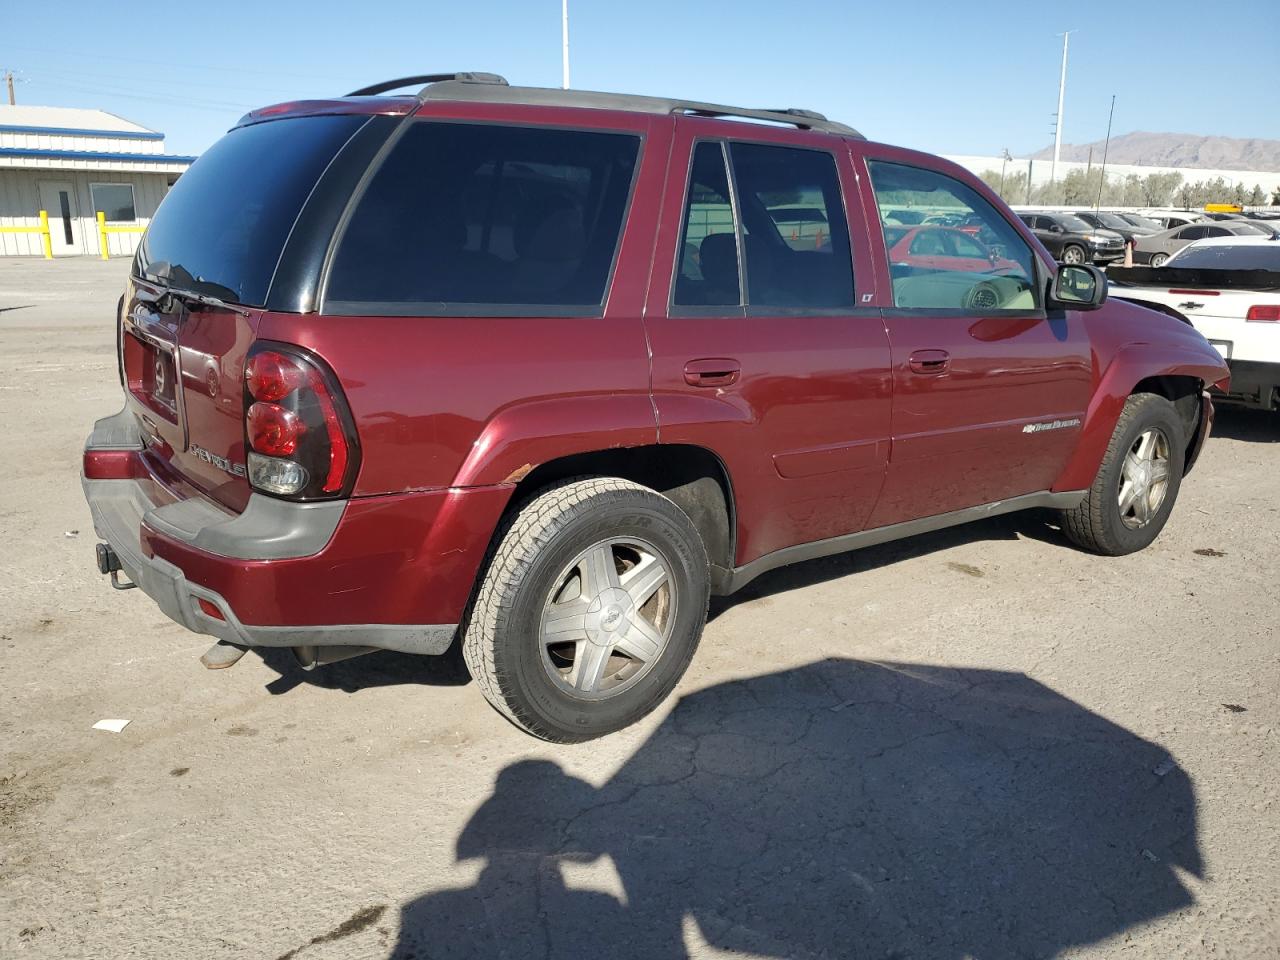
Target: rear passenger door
(989, 391)
(765, 347)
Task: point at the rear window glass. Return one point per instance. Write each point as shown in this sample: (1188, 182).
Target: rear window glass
(479, 218)
(223, 225)
(1230, 257)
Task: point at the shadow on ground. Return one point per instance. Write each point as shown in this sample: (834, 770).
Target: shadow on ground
(386, 668)
(1239, 423)
(1026, 524)
(843, 809)
(381, 669)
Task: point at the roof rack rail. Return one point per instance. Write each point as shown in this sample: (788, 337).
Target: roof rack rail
(795, 116)
(428, 79)
(797, 112)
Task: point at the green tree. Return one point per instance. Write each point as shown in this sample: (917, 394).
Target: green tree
(1158, 188)
(1275, 197)
(1257, 198)
(1131, 191)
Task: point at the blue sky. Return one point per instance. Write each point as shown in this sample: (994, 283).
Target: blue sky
(948, 77)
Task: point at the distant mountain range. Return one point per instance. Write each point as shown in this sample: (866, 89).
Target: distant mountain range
(1178, 150)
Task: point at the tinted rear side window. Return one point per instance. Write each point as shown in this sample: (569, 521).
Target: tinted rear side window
(223, 225)
(478, 218)
(789, 265)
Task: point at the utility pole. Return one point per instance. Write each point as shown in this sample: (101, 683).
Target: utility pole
(1004, 162)
(1105, 147)
(564, 40)
(1057, 127)
(8, 79)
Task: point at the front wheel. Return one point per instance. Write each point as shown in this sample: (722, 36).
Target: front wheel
(590, 610)
(1136, 486)
(1159, 259)
(1073, 254)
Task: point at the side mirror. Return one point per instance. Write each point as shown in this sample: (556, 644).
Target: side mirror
(1078, 287)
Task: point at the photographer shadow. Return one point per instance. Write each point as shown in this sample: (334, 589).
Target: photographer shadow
(841, 809)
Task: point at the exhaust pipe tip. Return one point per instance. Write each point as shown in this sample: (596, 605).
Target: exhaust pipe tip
(309, 657)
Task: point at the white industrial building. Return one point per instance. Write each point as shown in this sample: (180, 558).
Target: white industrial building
(73, 163)
(1040, 171)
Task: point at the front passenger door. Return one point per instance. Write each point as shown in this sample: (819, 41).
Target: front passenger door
(989, 391)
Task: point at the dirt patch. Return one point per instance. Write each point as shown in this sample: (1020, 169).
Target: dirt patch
(967, 569)
(179, 771)
(18, 794)
(240, 730)
(360, 920)
(1209, 552)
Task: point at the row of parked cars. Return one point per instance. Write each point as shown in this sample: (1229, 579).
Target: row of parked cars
(1100, 236)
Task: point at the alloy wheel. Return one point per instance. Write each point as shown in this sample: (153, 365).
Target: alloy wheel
(608, 618)
(1144, 478)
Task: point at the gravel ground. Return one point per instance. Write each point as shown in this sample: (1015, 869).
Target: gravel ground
(980, 743)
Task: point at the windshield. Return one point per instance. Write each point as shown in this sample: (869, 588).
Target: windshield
(1111, 220)
(1140, 221)
(1074, 223)
(1229, 256)
(223, 225)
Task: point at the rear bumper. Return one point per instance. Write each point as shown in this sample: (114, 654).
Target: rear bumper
(392, 572)
(1253, 384)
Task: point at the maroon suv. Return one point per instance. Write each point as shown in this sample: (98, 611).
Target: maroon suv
(542, 370)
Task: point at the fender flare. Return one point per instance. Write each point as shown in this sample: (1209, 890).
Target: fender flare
(524, 435)
(1132, 363)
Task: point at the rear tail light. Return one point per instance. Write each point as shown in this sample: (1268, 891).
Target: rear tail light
(1264, 313)
(299, 434)
(273, 429)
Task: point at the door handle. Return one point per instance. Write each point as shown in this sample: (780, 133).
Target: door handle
(929, 361)
(712, 372)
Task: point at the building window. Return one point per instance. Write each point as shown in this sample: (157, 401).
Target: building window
(115, 200)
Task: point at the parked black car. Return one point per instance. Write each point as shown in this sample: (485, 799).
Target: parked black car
(1115, 224)
(1071, 240)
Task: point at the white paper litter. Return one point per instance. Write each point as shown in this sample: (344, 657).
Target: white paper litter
(113, 726)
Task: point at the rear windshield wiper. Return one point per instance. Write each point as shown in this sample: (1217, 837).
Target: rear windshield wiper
(193, 296)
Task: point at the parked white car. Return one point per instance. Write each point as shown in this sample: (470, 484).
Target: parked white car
(1229, 290)
(1174, 218)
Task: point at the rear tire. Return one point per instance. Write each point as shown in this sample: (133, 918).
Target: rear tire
(590, 609)
(1159, 259)
(1136, 485)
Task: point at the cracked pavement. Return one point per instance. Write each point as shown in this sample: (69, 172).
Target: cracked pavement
(979, 743)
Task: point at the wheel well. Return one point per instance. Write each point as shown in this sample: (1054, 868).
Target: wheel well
(692, 477)
(1183, 393)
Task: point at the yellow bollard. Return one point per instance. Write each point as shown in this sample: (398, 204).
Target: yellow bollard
(102, 234)
(45, 237)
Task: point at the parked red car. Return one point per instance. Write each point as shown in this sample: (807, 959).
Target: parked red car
(943, 248)
(400, 370)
